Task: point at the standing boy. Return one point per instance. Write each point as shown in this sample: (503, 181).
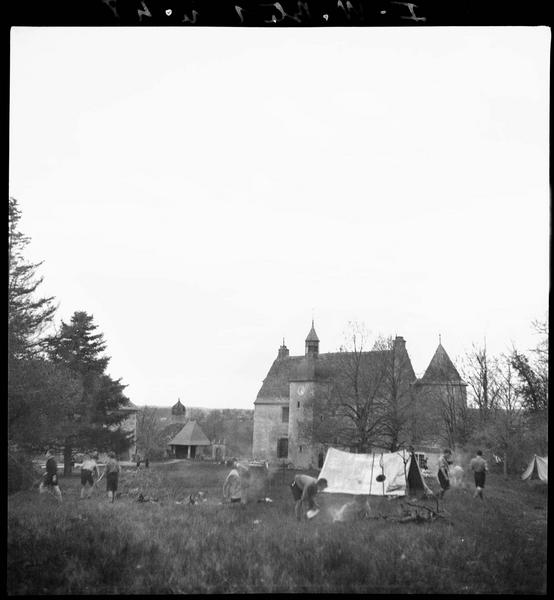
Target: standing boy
(479, 467)
(444, 473)
(232, 488)
(89, 468)
(112, 475)
(304, 490)
(50, 478)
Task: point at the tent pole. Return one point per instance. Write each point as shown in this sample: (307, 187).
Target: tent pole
(371, 478)
(405, 474)
(382, 472)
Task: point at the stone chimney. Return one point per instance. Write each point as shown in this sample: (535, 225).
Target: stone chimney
(399, 343)
(283, 351)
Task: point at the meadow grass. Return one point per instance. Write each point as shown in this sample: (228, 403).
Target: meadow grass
(93, 546)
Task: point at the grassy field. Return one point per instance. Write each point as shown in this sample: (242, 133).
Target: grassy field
(92, 546)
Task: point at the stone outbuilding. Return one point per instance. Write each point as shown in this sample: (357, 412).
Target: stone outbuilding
(186, 443)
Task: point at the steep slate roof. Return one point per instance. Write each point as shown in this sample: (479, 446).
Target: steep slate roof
(440, 369)
(276, 382)
(190, 435)
(275, 387)
(312, 336)
(170, 431)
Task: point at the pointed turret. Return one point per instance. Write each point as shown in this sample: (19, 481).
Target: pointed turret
(312, 342)
(441, 369)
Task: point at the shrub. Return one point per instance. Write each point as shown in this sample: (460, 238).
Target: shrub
(22, 473)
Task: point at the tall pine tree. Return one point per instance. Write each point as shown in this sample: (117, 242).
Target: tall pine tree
(41, 395)
(80, 347)
(28, 314)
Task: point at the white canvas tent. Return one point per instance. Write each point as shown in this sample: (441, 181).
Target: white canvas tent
(349, 473)
(538, 468)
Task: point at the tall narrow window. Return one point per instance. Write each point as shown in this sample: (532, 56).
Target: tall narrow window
(284, 414)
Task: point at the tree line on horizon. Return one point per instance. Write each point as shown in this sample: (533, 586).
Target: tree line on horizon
(59, 393)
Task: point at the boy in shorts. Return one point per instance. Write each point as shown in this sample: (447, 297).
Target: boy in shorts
(479, 467)
(50, 478)
(89, 468)
(112, 475)
(304, 490)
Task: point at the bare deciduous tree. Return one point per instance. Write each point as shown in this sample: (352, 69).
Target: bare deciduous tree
(358, 386)
(481, 372)
(532, 372)
(395, 399)
(149, 428)
(455, 416)
(504, 430)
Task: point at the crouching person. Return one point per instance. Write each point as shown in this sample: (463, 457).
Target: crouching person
(232, 488)
(304, 490)
(244, 474)
(112, 475)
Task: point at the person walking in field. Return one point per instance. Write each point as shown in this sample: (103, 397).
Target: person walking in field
(232, 488)
(444, 473)
(89, 469)
(304, 490)
(479, 467)
(50, 478)
(112, 475)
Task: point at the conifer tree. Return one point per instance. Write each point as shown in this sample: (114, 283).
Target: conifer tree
(80, 348)
(28, 313)
(41, 396)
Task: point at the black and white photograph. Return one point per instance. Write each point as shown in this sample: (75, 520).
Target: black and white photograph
(278, 307)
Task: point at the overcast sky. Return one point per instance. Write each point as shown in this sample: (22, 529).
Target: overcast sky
(203, 191)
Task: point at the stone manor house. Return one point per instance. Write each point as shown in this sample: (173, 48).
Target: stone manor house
(288, 408)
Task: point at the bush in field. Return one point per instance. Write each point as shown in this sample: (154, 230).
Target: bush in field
(22, 473)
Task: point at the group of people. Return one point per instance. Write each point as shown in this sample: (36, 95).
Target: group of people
(90, 476)
(478, 465)
(305, 488)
